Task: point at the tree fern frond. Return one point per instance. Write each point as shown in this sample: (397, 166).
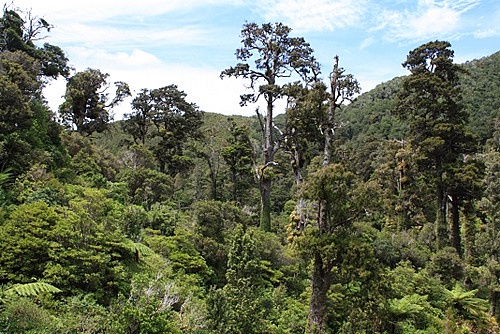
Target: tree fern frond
(138, 248)
(31, 289)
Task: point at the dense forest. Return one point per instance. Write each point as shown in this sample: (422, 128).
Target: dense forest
(345, 213)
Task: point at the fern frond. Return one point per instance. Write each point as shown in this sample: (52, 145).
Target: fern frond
(31, 289)
(137, 247)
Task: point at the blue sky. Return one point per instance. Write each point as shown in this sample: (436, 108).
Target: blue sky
(154, 43)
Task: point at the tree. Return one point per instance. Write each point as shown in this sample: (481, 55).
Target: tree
(87, 104)
(277, 56)
(239, 157)
(238, 306)
(176, 121)
(28, 133)
(430, 100)
(330, 186)
(138, 123)
(19, 34)
(303, 137)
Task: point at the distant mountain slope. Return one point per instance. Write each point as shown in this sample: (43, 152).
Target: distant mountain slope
(369, 116)
(481, 91)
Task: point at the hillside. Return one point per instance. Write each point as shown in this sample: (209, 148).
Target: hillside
(369, 116)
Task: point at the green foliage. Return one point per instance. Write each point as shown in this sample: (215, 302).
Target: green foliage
(239, 158)
(215, 222)
(31, 289)
(28, 133)
(239, 307)
(431, 102)
(181, 253)
(86, 102)
(23, 315)
(19, 34)
(175, 120)
(148, 309)
(147, 186)
(81, 314)
(480, 85)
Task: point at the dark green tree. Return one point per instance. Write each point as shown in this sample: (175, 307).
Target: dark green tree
(330, 186)
(239, 158)
(431, 103)
(306, 111)
(138, 123)
(20, 34)
(28, 131)
(176, 121)
(87, 105)
(239, 307)
(276, 56)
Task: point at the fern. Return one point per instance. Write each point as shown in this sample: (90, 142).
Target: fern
(31, 289)
(138, 248)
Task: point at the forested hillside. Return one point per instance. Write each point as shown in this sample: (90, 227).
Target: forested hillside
(348, 213)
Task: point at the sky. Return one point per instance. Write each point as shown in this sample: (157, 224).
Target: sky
(154, 43)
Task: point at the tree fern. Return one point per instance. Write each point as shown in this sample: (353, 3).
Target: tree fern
(137, 249)
(466, 304)
(31, 289)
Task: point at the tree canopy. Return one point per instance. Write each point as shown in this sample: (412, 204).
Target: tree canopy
(383, 215)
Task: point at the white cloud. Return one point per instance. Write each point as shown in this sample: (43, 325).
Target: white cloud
(367, 42)
(486, 33)
(94, 10)
(430, 19)
(140, 69)
(92, 35)
(313, 15)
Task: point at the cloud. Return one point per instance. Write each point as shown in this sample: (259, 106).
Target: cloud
(95, 35)
(367, 42)
(141, 69)
(95, 10)
(430, 19)
(486, 33)
(313, 15)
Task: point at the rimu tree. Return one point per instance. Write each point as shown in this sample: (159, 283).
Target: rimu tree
(276, 56)
(431, 102)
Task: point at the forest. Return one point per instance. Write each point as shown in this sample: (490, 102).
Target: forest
(348, 212)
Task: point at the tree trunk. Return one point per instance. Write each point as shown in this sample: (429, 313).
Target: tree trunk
(268, 151)
(495, 304)
(456, 240)
(265, 196)
(441, 222)
(299, 218)
(317, 306)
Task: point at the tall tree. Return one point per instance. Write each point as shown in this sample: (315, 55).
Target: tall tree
(28, 132)
(276, 56)
(431, 102)
(331, 187)
(87, 105)
(176, 121)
